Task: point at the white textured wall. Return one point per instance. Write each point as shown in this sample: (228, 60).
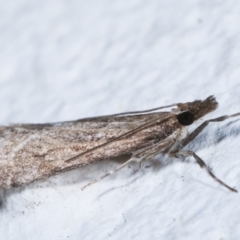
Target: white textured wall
(62, 60)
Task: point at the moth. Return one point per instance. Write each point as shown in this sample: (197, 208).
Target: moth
(30, 152)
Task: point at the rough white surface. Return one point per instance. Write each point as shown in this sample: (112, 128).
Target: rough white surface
(62, 60)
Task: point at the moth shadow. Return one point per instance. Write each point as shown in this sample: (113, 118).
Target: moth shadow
(131, 173)
(83, 175)
(88, 173)
(135, 170)
(5, 195)
(134, 179)
(217, 135)
(3, 199)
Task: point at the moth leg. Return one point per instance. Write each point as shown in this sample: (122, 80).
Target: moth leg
(203, 165)
(199, 129)
(152, 151)
(138, 156)
(109, 173)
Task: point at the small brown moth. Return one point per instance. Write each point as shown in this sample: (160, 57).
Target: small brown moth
(29, 152)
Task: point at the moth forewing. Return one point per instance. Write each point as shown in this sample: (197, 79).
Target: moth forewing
(30, 152)
(34, 151)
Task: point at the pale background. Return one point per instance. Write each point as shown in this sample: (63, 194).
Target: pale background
(63, 60)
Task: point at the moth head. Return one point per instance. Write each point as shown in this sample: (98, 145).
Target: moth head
(192, 111)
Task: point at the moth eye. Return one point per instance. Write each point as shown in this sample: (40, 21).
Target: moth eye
(185, 118)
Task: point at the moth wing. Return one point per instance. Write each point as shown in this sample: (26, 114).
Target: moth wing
(35, 151)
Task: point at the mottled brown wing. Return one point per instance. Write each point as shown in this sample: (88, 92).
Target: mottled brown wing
(33, 151)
